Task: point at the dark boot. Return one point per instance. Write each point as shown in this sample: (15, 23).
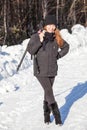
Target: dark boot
(56, 113)
(46, 112)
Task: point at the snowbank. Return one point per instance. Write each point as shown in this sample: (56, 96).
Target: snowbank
(10, 56)
(78, 37)
(21, 95)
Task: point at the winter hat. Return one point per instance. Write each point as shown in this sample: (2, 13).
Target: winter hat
(50, 19)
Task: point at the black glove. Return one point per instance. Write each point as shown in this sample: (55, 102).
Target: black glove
(58, 56)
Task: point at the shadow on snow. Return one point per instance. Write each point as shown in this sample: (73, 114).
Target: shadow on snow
(76, 93)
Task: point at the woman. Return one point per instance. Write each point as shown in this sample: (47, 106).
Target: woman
(45, 45)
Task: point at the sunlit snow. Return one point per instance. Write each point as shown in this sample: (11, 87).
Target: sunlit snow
(21, 95)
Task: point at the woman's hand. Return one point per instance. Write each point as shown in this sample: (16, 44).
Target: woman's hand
(41, 35)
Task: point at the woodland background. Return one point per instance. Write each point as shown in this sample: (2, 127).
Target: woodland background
(19, 19)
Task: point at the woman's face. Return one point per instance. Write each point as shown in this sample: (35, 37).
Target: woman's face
(50, 28)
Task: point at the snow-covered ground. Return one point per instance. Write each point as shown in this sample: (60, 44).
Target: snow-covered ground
(21, 95)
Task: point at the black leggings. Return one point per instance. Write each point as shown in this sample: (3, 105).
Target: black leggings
(47, 83)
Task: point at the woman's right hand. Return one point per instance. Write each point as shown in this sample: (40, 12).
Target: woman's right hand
(41, 35)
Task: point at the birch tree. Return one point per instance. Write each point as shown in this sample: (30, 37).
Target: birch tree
(5, 21)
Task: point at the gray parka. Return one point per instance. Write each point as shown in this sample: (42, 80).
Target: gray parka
(45, 61)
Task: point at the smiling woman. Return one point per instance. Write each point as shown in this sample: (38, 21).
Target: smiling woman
(45, 47)
(50, 28)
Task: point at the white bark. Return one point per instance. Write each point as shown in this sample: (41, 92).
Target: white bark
(5, 21)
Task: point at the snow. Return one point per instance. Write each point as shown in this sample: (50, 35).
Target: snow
(21, 95)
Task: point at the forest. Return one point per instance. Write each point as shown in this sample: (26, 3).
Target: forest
(19, 19)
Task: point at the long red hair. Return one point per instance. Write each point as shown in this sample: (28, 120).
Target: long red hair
(58, 37)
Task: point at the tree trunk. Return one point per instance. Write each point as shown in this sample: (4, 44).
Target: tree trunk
(57, 8)
(5, 20)
(85, 12)
(44, 8)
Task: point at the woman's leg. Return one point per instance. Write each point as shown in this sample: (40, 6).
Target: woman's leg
(47, 83)
(51, 79)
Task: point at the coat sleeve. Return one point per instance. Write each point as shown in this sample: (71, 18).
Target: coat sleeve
(63, 50)
(34, 44)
